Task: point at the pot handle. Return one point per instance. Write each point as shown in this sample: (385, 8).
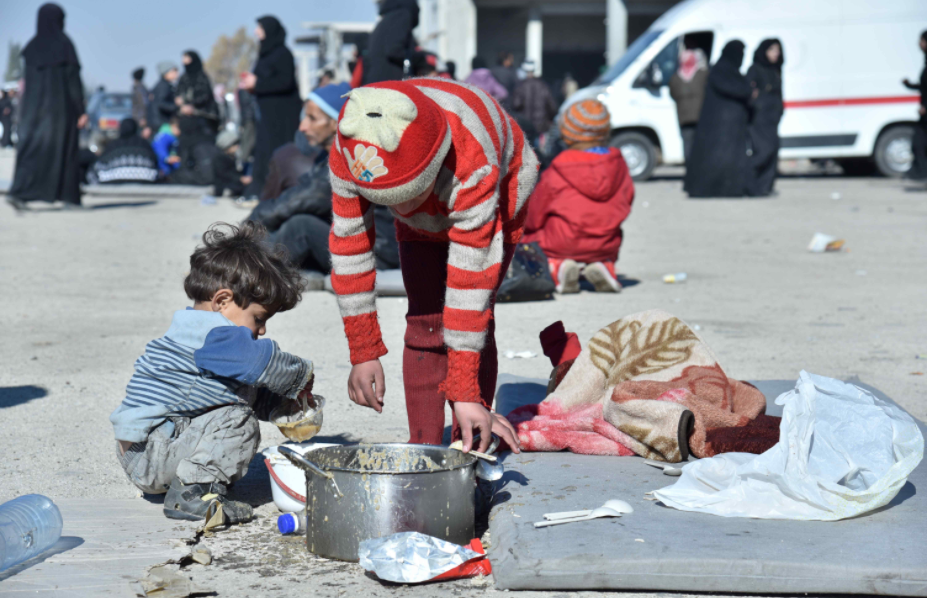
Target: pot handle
(301, 461)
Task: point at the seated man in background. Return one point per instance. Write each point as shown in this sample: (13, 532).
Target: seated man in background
(288, 163)
(300, 217)
(129, 159)
(226, 173)
(578, 207)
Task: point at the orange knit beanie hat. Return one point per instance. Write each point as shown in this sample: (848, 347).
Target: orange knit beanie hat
(587, 120)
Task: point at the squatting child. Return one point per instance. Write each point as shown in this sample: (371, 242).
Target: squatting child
(188, 425)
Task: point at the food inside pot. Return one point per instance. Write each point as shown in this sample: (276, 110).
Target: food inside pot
(389, 458)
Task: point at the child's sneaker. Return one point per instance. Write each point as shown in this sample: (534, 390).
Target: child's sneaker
(603, 277)
(191, 501)
(567, 279)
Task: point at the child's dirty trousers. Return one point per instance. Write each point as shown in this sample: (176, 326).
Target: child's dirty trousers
(214, 447)
(425, 358)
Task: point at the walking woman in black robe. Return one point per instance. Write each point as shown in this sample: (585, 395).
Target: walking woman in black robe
(275, 87)
(765, 76)
(719, 164)
(51, 112)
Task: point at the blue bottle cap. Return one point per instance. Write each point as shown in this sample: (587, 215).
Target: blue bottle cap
(287, 523)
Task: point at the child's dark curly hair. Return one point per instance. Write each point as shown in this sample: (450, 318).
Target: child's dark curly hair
(239, 259)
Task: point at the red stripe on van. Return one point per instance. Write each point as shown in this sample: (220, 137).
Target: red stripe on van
(851, 101)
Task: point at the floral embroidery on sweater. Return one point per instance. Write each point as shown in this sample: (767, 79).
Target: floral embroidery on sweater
(366, 165)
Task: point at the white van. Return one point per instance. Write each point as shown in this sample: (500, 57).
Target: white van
(843, 96)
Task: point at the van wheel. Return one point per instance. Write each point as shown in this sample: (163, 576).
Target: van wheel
(638, 152)
(893, 152)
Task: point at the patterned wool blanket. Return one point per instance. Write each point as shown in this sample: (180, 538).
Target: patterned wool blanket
(647, 385)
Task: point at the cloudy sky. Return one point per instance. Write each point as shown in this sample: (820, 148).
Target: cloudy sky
(113, 37)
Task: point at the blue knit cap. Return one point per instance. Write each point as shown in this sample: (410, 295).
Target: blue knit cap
(329, 98)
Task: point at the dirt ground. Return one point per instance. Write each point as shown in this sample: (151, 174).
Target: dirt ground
(83, 292)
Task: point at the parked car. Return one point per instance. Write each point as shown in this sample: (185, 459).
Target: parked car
(842, 93)
(105, 110)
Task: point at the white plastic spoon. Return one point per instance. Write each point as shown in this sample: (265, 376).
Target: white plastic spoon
(667, 468)
(595, 514)
(620, 506)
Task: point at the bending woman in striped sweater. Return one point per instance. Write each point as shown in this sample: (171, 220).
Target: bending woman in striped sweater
(456, 172)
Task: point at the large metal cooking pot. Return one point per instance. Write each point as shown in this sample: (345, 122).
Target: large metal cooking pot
(364, 491)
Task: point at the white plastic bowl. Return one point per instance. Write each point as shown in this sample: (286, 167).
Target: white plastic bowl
(288, 482)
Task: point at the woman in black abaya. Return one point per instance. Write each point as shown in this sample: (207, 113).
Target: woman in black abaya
(765, 77)
(275, 87)
(51, 112)
(719, 163)
(198, 115)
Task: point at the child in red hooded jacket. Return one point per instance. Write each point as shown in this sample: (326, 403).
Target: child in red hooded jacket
(581, 201)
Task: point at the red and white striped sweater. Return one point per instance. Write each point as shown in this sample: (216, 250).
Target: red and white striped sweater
(478, 205)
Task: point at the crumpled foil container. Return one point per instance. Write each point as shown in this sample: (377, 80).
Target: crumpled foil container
(411, 557)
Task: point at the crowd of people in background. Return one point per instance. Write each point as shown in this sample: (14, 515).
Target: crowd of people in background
(178, 132)
(275, 160)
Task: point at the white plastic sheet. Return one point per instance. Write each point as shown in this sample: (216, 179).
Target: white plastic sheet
(842, 452)
(411, 557)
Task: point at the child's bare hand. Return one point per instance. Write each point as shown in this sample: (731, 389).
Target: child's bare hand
(307, 393)
(474, 416)
(363, 377)
(505, 430)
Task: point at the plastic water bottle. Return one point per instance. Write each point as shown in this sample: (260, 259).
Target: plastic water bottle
(292, 523)
(675, 278)
(29, 525)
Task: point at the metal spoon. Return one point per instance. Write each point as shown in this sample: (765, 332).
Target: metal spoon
(620, 506)
(489, 471)
(595, 514)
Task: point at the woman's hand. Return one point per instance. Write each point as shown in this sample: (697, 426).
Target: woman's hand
(179, 101)
(82, 121)
(187, 109)
(362, 378)
(473, 416)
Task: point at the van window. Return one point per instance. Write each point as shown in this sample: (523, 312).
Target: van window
(667, 61)
(633, 52)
